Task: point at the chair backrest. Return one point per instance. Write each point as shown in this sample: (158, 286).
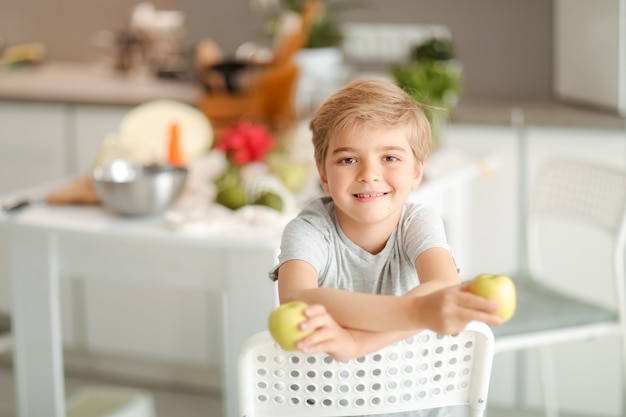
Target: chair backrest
(583, 191)
(421, 372)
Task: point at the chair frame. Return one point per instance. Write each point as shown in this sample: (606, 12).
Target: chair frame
(424, 371)
(614, 225)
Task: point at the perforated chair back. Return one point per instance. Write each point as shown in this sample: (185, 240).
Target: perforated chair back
(421, 372)
(583, 192)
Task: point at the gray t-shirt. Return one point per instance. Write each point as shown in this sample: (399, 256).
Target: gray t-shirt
(315, 236)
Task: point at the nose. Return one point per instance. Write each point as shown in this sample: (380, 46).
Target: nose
(369, 172)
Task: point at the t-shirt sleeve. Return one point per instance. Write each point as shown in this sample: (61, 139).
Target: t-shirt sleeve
(304, 240)
(422, 229)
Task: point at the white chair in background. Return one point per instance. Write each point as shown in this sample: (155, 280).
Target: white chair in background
(568, 193)
(421, 372)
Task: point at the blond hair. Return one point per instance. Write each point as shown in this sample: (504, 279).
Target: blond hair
(370, 103)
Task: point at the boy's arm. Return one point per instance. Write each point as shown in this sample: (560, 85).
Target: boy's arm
(297, 280)
(345, 320)
(368, 322)
(436, 270)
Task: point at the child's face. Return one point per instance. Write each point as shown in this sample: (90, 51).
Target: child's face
(369, 173)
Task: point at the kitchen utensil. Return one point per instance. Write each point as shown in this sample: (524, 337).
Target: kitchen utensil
(133, 190)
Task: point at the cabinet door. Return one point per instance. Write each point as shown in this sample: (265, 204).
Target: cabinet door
(589, 47)
(32, 151)
(491, 207)
(32, 144)
(91, 124)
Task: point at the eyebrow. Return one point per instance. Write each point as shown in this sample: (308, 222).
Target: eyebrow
(384, 148)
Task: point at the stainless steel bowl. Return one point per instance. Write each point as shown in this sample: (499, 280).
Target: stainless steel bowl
(134, 190)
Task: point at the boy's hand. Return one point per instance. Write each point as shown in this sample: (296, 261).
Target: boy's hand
(329, 337)
(450, 309)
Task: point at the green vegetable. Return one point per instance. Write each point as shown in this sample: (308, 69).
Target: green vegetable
(435, 49)
(432, 77)
(233, 197)
(431, 82)
(271, 200)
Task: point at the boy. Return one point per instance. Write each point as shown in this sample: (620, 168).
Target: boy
(373, 267)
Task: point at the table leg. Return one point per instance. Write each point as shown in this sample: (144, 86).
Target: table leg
(246, 305)
(38, 354)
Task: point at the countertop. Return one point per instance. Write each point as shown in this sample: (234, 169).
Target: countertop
(74, 82)
(536, 112)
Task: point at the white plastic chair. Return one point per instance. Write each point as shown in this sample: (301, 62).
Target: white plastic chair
(569, 193)
(421, 372)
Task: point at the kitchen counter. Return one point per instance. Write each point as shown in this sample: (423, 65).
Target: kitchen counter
(73, 82)
(537, 112)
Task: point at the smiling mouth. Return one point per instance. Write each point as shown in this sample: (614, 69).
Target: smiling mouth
(370, 195)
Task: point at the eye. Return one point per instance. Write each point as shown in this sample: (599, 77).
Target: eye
(391, 158)
(347, 161)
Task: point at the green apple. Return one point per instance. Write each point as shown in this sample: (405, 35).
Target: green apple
(233, 197)
(284, 324)
(498, 288)
(293, 175)
(271, 200)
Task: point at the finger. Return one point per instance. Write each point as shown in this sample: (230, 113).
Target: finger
(479, 303)
(314, 309)
(317, 321)
(488, 318)
(465, 286)
(315, 342)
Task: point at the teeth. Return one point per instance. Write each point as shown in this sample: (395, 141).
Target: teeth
(370, 195)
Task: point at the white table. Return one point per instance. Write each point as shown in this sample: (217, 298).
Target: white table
(47, 243)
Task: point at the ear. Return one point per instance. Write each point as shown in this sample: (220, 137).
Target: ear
(419, 174)
(323, 179)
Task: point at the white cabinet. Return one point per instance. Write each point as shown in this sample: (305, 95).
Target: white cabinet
(42, 142)
(89, 125)
(493, 203)
(590, 52)
(32, 151)
(33, 146)
(494, 200)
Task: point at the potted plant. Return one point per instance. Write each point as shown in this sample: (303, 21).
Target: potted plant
(324, 29)
(321, 59)
(433, 77)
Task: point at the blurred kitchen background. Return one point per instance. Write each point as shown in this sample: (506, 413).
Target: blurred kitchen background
(553, 62)
(506, 46)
